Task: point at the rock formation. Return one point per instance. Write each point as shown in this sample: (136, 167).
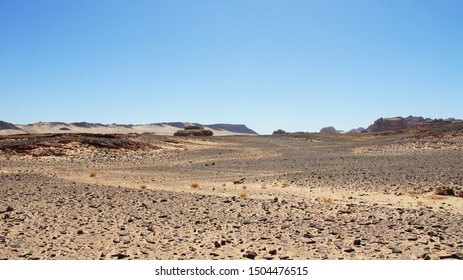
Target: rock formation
(279, 132)
(194, 130)
(329, 130)
(357, 130)
(389, 124)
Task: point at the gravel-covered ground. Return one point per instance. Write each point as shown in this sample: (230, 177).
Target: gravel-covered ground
(287, 197)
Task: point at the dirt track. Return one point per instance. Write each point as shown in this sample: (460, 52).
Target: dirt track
(307, 197)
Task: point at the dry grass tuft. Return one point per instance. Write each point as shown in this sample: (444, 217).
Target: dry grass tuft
(436, 197)
(143, 187)
(244, 187)
(224, 184)
(284, 185)
(244, 195)
(327, 200)
(93, 174)
(420, 203)
(195, 185)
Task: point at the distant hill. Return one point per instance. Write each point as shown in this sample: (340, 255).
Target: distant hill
(166, 128)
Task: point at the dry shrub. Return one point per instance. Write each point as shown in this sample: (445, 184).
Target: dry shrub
(93, 174)
(243, 195)
(224, 184)
(285, 185)
(244, 187)
(195, 185)
(420, 203)
(143, 187)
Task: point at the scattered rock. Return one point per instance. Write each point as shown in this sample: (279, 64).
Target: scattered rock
(272, 252)
(79, 232)
(357, 242)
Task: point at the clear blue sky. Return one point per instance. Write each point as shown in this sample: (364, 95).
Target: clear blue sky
(295, 65)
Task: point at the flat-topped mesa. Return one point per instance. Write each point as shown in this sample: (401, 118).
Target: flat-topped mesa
(194, 130)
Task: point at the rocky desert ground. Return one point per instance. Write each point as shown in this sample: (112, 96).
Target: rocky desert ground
(308, 196)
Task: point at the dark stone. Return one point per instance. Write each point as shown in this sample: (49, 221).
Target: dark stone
(349, 250)
(412, 238)
(217, 244)
(308, 235)
(250, 255)
(458, 256)
(272, 252)
(120, 256)
(426, 257)
(396, 250)
(357, 242)
(445, 191)
(79, 232)
(9, 209)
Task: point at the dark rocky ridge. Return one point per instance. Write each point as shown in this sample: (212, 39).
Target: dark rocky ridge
(6, 125)
(400, 123)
